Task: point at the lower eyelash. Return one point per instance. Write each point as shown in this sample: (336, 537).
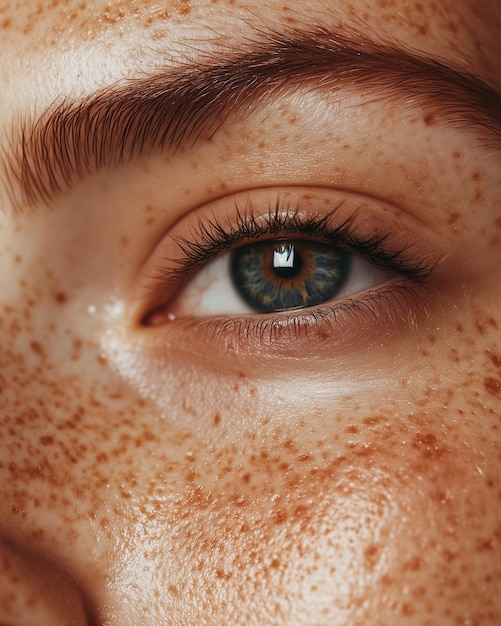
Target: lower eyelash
(396, 305)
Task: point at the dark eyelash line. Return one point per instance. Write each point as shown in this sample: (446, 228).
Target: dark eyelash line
(387, 306)
(390, 308)
(211, 237)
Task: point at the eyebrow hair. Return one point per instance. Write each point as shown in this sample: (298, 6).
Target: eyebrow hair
(176, 107)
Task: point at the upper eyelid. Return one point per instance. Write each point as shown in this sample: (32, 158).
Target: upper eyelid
(176, 107)
(211, 237)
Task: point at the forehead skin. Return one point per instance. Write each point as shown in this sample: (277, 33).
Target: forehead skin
(142, 482)
(138, 30)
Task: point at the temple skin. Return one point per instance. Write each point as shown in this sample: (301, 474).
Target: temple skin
(161, 466)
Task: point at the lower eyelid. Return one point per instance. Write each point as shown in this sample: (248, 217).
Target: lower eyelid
(347, 326)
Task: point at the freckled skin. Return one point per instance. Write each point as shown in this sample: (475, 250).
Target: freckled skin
(163, 476)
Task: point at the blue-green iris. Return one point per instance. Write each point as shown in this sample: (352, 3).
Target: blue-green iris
(283, 274)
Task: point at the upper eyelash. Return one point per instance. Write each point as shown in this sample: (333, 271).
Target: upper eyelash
(211, 237)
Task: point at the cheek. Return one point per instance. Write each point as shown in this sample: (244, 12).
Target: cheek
(384, 509)
(355, 525)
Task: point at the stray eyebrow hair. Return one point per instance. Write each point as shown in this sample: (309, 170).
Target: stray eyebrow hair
(174, 108)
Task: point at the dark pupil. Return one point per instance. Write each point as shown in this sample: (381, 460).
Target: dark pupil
(279, 275)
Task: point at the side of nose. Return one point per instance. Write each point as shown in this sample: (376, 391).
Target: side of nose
(34, 592)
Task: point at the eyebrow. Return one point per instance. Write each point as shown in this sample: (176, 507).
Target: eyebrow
(179, 106)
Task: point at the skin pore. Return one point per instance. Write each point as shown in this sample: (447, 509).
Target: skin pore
(162, 463)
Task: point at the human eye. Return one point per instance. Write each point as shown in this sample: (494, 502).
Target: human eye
(275, 265)
(280, 274)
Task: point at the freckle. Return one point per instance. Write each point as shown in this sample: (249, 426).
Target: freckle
(452, 28)
(494, 358)
(37, 348)
(124, 241)
(414, 564)
(60, 297)
(453, 218)
(476, 176)
(429, 119)
(480, 326)
(279, 516)
(185, 8)
(372, 555)
(427, 445)
(454, 355)
(352, 430)
(217, 419)
(456, 154)
(492, 385)
(372, 421)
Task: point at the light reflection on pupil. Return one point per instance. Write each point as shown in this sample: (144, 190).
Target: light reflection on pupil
(287, 263)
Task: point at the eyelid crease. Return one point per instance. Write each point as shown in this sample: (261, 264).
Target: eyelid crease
(181, 105)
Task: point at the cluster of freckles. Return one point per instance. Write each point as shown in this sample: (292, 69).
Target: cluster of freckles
(85, 461)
